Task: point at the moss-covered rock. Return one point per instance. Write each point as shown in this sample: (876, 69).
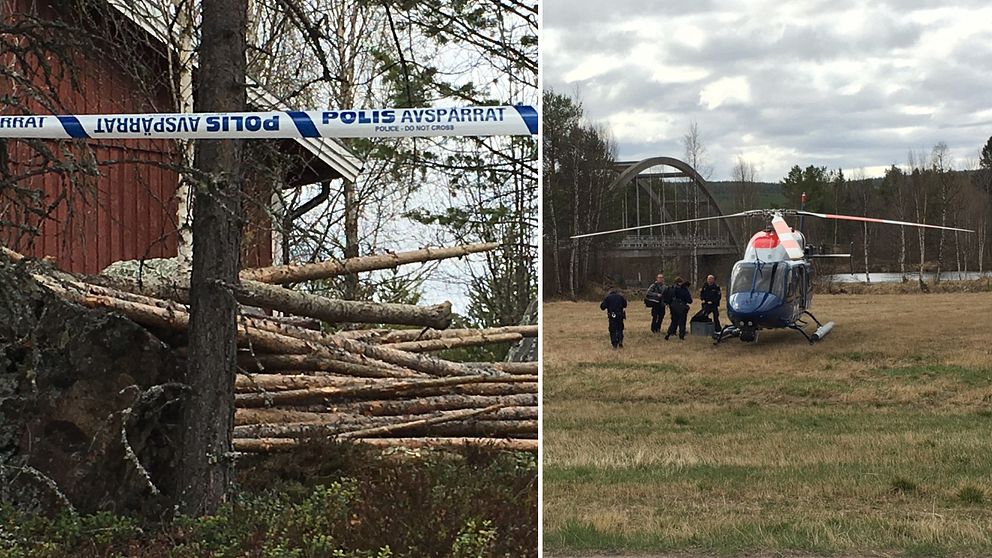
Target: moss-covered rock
(89, 405)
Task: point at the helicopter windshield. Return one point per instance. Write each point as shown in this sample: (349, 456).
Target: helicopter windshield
(764, 278)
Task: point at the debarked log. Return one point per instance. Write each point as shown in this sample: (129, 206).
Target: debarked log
(323, 270)
(177, 318)
(333, 310)
(508, 367)
(380, 388)
(174, 318)
(470, 427)
(411, 406)
(246, 383)
(288, 301)
(268, 337)
(386, 336)
(479, 427)
(422, 422)
(275, 423)
(318, 364)
(349, 429)
(455, 342)
(270, 445)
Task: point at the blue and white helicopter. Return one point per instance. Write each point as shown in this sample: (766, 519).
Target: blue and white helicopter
(771, 288)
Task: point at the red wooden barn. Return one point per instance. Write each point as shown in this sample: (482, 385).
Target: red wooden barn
(127, 209)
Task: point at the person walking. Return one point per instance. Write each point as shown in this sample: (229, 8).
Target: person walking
(655, 295)
(679, 305)
(615, 305)
(710, 295)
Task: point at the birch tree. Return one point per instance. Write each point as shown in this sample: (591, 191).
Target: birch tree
(745, 175)
(695, 156)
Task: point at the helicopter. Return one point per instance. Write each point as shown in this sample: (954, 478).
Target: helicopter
(771, 287)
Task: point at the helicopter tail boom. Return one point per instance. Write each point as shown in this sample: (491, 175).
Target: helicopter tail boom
(787, 237)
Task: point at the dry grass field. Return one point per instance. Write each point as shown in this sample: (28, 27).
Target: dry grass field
(876, 441)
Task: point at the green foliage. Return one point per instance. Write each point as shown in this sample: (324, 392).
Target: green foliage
(985, 161)
(578, 158)
(492, 181)
(814, 182)
(37, 536)
(475, 540)
(325, 501)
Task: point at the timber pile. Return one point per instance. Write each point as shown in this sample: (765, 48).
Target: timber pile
(378, 386)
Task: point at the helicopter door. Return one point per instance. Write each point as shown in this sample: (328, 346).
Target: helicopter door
(799, 279)
(791, 290)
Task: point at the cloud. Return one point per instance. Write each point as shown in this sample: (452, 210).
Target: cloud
(726, 90)
(840, 83)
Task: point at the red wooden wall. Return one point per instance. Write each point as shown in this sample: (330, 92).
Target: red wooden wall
(127, 211)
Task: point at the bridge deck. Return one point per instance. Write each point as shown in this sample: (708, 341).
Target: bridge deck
(654, 245)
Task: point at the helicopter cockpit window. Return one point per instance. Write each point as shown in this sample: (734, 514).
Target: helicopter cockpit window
(766, 278)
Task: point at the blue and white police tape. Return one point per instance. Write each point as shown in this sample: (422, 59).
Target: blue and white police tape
(518, 120)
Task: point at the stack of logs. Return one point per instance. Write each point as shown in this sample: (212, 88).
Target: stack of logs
(375, 386)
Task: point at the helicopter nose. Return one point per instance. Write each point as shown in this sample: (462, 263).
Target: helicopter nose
(753, 304)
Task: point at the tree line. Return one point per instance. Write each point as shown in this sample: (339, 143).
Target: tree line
(928, 189)
(578, 157)
(578, 164)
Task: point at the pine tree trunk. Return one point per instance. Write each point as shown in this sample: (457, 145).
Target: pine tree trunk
(208, 419)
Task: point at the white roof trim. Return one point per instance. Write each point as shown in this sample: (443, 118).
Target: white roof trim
(329, 150)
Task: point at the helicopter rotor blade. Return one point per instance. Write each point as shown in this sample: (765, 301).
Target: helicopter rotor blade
(787, 238)
(876, 220)
(665, 224)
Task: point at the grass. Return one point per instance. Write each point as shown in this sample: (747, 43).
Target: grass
(874, 441)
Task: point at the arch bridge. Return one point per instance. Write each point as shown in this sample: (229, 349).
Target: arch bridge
(672, 195)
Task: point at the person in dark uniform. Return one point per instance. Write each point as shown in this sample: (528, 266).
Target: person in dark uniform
(679, 305)
(710, 295)
(657, 310)
(614, 304)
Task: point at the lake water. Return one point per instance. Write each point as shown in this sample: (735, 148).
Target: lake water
(897, 277)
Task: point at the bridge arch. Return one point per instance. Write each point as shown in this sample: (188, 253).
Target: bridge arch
(632, 170)
(691, 250)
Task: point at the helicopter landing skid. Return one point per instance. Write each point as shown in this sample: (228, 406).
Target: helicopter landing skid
(822, 330)
(751, 335)
(729, 331)
(807, 312)
(748, 335)
(799, 328)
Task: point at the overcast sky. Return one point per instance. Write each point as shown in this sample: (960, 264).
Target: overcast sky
(838, 83)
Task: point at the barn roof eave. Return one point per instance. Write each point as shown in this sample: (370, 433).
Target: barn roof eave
(341, 161)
